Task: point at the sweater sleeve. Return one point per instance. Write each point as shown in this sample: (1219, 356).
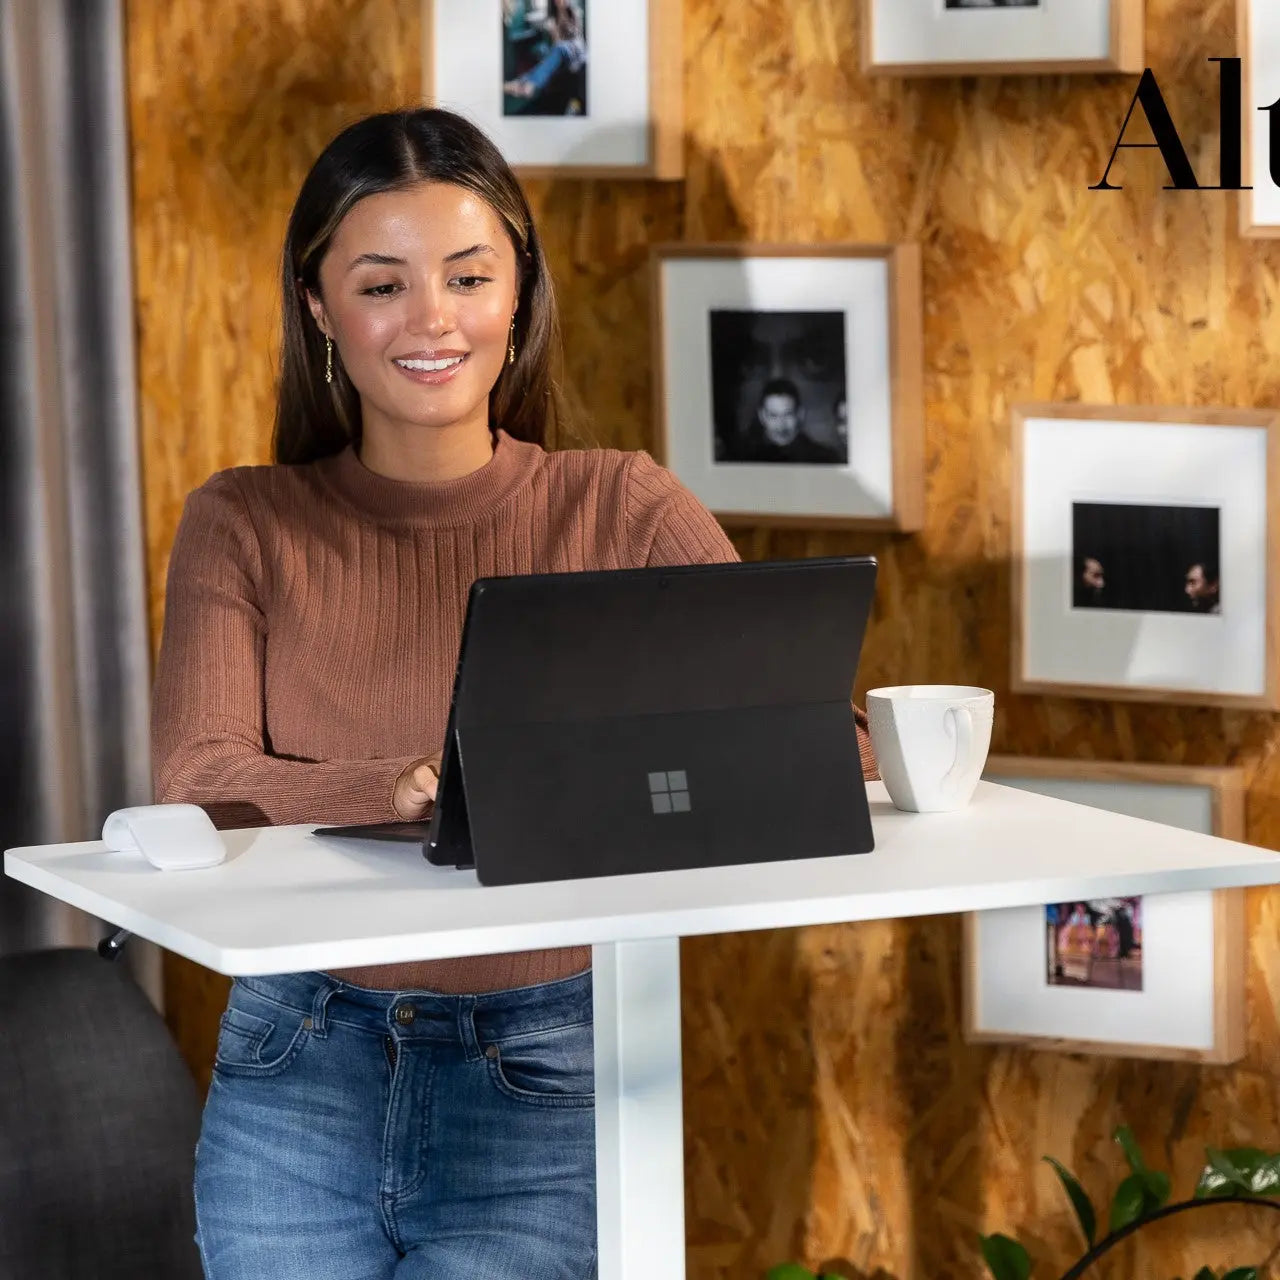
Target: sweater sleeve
(208, 740)
(670, 526)
(666, 524)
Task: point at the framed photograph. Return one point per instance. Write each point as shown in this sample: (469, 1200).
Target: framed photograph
(1259, 46)
(564, 87)
(1161, 976)
(1001, 37)
(1141, 544)
(789, 382)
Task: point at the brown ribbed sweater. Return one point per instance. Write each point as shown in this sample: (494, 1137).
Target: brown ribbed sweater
(312, 623)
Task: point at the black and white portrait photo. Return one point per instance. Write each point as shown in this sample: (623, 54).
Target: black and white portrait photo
(1136, 556)
(544, 57)
(797, 354)
(778, 386)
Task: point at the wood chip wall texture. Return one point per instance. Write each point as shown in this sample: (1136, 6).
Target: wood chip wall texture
(833, 1112)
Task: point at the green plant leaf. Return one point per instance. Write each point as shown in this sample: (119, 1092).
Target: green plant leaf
(1006, 1259)
(1205, 1273)
(1129, 1202)
(791, 1271)
(1124, 1136)
(1240, 1273)
(1213, 1182)
(1229, 1177)
(1242, 1160)
(1246, 1156)
(1155, 1188)
(1266, 1177)
(1257, 1172)
(1080, 1202)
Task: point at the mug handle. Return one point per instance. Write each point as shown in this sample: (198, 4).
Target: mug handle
(962, 722)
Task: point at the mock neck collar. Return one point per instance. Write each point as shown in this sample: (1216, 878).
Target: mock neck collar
(462, 501)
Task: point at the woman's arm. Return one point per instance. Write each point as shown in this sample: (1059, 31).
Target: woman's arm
(673, 527)
(208, 743)
(870, 769)
(666, 524)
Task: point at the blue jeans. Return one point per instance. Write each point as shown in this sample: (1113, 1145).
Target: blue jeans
(551, 64)
(352, 1134)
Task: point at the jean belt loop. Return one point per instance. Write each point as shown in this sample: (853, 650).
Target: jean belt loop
(324, 993)
(467, 1027)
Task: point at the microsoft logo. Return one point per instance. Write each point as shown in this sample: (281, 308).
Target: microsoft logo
(669, 792)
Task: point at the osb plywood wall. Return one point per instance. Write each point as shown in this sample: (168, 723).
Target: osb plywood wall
(833, 1112)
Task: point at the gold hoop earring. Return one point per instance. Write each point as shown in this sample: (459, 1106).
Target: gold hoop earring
(511, 343)
(328, 358)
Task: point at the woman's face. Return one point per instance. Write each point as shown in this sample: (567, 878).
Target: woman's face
(418, 289)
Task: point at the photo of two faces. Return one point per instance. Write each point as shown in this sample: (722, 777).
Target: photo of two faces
(1146, 557)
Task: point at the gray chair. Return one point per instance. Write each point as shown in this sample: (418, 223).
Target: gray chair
(98, 1124)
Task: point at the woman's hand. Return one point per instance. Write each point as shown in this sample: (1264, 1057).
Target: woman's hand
(415, 789)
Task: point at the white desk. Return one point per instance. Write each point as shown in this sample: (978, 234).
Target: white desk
(286, 901)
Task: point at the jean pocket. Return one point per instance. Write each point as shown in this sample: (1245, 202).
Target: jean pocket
(250, 1044)
(552, 1068)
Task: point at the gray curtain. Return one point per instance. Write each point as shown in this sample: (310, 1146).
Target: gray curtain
(74, 661)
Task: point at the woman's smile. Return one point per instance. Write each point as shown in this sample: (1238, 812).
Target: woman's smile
(430, 369)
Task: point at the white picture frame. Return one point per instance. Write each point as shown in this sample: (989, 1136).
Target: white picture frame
(1191, 1005)
(624, 118)
(1038, 37)
(1164, 467)
(863, 468)
(1258, 24)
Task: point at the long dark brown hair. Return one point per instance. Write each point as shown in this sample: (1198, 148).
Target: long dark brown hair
(389, 152)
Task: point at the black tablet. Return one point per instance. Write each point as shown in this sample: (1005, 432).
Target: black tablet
(624, 721)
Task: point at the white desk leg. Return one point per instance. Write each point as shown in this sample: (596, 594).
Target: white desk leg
(639, 1122)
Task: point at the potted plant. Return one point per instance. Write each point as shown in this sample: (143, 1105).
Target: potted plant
(1244, 1175)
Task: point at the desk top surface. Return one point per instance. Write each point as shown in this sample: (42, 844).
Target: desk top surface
(286, 900)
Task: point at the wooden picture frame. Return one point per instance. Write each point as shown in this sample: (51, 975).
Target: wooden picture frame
(1171, 457)
(1122, 49)
(1222, 996)
(877, 480)
(1258, 32)
(637, 133)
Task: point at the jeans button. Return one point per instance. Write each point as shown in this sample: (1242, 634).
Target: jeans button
(491, 1051)
(405, 1014)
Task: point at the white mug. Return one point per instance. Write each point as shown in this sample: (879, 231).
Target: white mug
(931, 742)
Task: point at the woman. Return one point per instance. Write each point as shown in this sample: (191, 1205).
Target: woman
(416, 1120)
